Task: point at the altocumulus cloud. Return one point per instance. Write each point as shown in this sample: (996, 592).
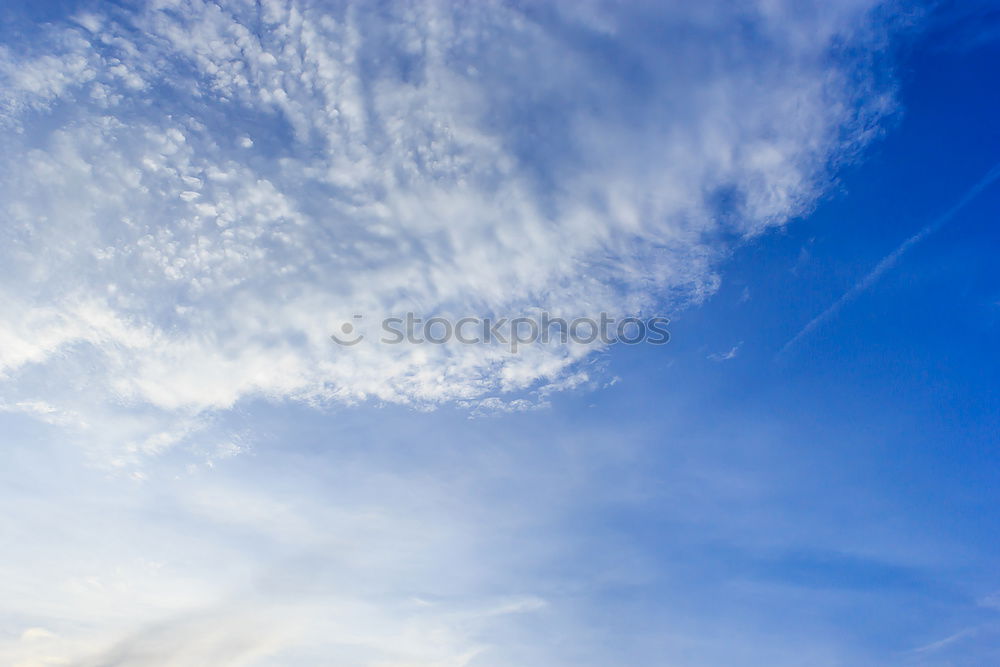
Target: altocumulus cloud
(196, 193)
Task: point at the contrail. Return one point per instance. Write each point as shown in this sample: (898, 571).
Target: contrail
(890, 260)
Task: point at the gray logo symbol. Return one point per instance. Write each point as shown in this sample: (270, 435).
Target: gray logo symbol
(348, 330)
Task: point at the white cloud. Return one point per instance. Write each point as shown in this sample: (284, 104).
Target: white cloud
(196, 194)
(728, 355)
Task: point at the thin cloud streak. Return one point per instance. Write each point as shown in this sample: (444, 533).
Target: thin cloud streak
(890, 261)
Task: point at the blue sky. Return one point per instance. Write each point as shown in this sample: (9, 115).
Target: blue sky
(195, 194)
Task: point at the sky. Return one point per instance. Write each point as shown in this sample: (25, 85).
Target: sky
(196, 195)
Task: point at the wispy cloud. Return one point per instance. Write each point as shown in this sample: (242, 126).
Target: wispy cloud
(728, 354)
(198, 193)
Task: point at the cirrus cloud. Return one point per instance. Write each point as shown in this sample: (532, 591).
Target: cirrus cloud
(196, 194)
